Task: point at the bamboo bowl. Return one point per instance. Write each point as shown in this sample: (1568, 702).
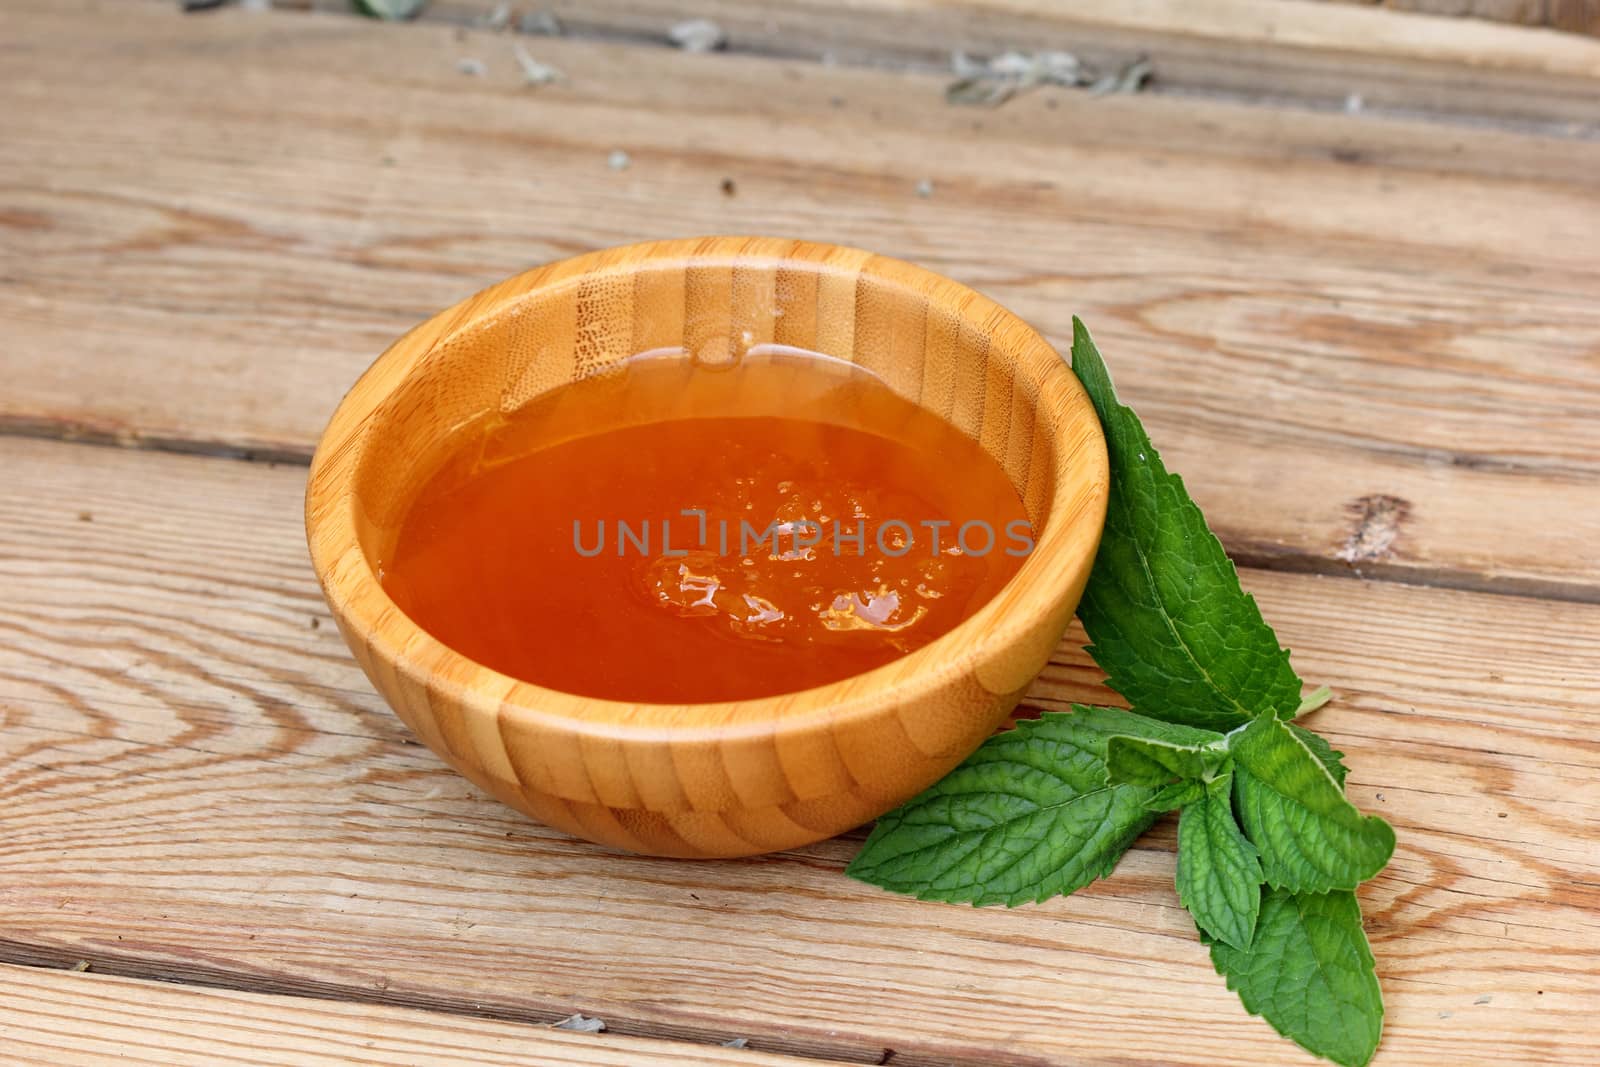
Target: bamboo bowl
(737, 778)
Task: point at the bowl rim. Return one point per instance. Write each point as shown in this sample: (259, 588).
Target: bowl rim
(1054, 571)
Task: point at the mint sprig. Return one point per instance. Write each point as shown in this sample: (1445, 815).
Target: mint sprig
(1269, 848)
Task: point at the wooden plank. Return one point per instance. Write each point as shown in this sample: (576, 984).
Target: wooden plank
(1577, 16)
(1323, 319)
(60, 1018)
(198, 784)
(1280, 50)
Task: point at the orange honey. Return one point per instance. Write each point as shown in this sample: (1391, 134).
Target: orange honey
(677, 532)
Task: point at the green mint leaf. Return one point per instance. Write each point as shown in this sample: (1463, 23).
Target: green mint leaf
(1323, 751)
(1145, 761)
(1176, 795)
(1309, 972)
(1310, 837)
(1166, 618)
(1219, 876)
(1026, 817)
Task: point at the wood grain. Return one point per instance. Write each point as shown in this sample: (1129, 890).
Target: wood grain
(1309, 311)
(1577, 16)
(66, 1020)
(198, 784)
(739, 777)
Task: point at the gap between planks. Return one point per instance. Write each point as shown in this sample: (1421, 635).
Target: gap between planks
(1258, 555)
(58, 1017)
(212, 988)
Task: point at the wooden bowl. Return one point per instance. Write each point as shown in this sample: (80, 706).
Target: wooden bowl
(737, 778)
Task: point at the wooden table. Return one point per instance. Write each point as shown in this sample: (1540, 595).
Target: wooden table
(1345, 262)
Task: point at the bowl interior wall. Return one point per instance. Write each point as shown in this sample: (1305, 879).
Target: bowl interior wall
(704, 314)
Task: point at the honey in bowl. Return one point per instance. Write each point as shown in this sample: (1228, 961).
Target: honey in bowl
(677, 531)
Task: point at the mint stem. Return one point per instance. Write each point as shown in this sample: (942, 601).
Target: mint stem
(1313, 700)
